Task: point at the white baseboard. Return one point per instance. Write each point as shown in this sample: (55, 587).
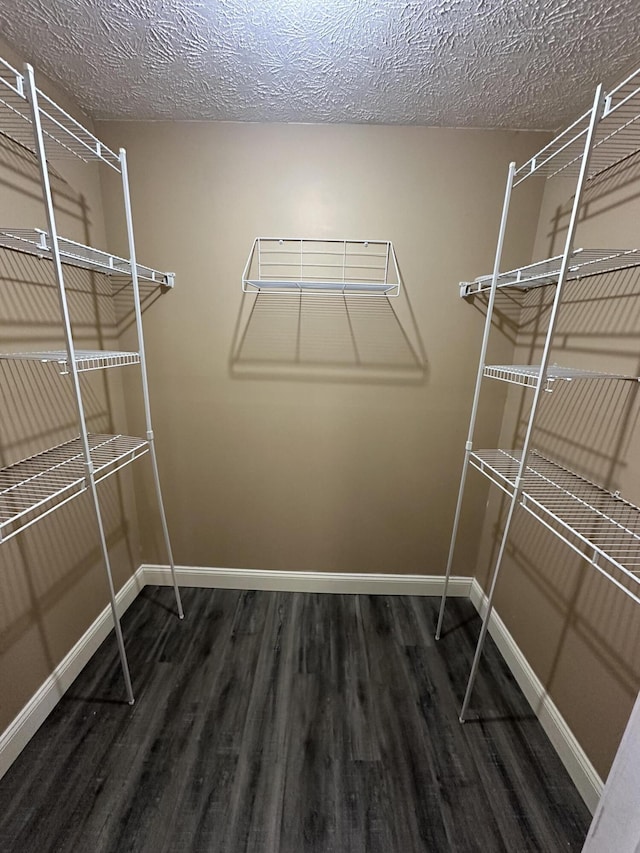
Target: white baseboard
(574, 758)
(339, 582)
(20, 731)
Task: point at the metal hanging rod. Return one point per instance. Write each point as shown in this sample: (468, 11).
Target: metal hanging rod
(35, 241)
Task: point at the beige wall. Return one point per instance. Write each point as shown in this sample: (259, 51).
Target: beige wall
(279, 447)
(53, 584)
(579, 633)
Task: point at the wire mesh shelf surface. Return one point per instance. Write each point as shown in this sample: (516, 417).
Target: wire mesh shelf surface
(599, 525)
(617, 137)
(85, 359)
(63, 135)
(529, 374)
(36, 486)
(358, 267)
(34, 241)
(583, 263)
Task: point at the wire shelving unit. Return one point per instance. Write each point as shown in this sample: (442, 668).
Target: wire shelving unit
(35, 487)
(304, 265)
(599, 525)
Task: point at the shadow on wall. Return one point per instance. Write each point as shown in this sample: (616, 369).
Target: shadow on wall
(341, 337)
(19, 174)
(41, 565)
(611, 190)
(507, 311)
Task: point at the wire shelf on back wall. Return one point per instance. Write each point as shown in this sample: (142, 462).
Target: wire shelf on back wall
(356, 267)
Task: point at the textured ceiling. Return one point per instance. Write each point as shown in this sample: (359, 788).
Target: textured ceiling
(456, 63)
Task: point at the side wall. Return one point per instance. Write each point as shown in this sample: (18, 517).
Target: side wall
(317, 433)
(579, 633)
(53, 584)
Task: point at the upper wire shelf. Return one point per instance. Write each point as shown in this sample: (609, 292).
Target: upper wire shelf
(63, 135)
(34, 241)
(34, 487)
(85, 360)
(617, 137)
(599, 525)
(583, 263)
(356, 267)
(529, 374)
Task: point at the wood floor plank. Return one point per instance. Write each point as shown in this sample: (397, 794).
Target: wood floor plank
(309, 795)
(256, 796)
(291, 723)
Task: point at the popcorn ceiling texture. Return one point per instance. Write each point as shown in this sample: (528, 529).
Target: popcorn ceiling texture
(457, 63)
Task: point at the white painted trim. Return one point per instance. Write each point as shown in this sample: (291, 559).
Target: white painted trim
(20, 731)
(340, 582)
(572, 755)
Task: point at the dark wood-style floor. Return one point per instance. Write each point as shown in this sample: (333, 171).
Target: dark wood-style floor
(291, 722)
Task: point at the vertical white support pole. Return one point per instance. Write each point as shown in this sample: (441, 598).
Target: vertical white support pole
(476, 393)
(301, 262)
(344, 264)
(386, 265)
(143, 372)
(542, 379)
(72, 366)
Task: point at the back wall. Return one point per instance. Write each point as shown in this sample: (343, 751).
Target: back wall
(316, 433)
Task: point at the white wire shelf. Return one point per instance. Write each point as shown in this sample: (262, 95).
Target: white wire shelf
(34, 241)
(63, 135)
(356, 267)
(85, 359)
(599, 525)
(34, 487)
(528, 374)
(617, 137)
(583, 263)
